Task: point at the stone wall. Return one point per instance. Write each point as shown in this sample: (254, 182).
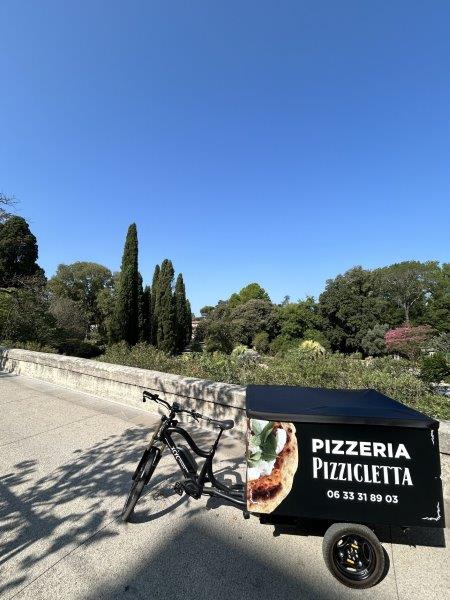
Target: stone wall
(125, 384)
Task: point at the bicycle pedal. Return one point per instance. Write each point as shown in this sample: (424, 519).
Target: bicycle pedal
(178, 488)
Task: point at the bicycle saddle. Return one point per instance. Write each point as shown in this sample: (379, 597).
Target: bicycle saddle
(225, 424)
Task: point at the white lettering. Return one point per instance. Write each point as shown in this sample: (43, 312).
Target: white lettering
(385, 473)
(337, 446)
(379, 449)
(316, 445)
(333, 471)
(375, 473)
(364, 449)
(402, 451)
(361, 473)
(407, 477)
(351, 448)
(356, 470)
(317, 466)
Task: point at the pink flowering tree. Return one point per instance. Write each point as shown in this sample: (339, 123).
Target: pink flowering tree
(407, 340)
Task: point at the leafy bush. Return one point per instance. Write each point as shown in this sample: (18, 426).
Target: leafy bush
(317, 336)
(373, 342)
(408, 341)
(79, 349)
(238, 350)
(261, 342)
(440, 343)
(313, 348)
(434, 368)
(31, 345)
(218, 337)
(391, 377)
(281, 344)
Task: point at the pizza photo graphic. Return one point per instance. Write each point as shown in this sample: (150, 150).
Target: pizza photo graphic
(272, 460)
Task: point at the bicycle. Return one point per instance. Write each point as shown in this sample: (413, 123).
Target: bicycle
(194, 480)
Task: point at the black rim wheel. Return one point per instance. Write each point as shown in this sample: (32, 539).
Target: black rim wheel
(354, 557)
(142, 477)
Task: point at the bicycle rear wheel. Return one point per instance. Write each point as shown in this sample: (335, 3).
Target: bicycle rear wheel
(141, 479)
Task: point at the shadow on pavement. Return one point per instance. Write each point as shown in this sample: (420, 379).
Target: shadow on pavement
(204, 564)
(58, 511)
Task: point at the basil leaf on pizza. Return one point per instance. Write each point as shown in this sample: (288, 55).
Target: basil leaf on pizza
(269, 447)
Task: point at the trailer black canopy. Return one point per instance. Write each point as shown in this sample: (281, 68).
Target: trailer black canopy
(320, 405)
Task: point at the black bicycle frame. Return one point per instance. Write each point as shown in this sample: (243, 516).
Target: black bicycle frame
(169, 426)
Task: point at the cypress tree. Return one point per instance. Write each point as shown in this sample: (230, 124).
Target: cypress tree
(154, 306)
(165, 304)
(126, 314)
(188, 322)
(181, 314)
(143, 310)
(148, 313)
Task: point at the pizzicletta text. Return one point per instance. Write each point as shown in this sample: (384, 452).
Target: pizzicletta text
(337, 470)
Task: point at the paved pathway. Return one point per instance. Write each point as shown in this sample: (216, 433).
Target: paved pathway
(65, 465)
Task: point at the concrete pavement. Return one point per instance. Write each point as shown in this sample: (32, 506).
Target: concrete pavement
(65, 465)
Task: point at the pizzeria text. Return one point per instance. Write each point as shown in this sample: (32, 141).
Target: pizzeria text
(359, 472)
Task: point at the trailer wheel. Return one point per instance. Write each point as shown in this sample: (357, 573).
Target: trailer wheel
(354, 555)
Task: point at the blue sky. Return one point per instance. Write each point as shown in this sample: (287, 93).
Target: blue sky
(278, 142)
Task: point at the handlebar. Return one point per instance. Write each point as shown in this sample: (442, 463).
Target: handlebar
(175, 407)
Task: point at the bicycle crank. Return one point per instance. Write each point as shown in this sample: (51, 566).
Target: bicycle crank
(178, 488)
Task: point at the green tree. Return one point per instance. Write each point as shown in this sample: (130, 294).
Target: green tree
(154, 306)
(126, 314)
(407, 284)
(246, 320)
(350, 306)
(252, 291)
(69, 317)
(166, 323)
(261, 342)
(437, 311)
(189, 317)
(105, 303)
(25, 317)
(182, 315)
(434, 368)
(146, 331)
(218, 337)
(18, 255)
(373, 343)
(297, 317)
(82, 282)
(206, 310)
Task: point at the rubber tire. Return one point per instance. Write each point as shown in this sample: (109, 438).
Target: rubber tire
(138, 485)
(333, 534)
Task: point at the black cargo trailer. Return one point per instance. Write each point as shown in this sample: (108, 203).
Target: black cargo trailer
(350, 458)
(347, 456)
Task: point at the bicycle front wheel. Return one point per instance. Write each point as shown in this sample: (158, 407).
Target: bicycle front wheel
(142, 478)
